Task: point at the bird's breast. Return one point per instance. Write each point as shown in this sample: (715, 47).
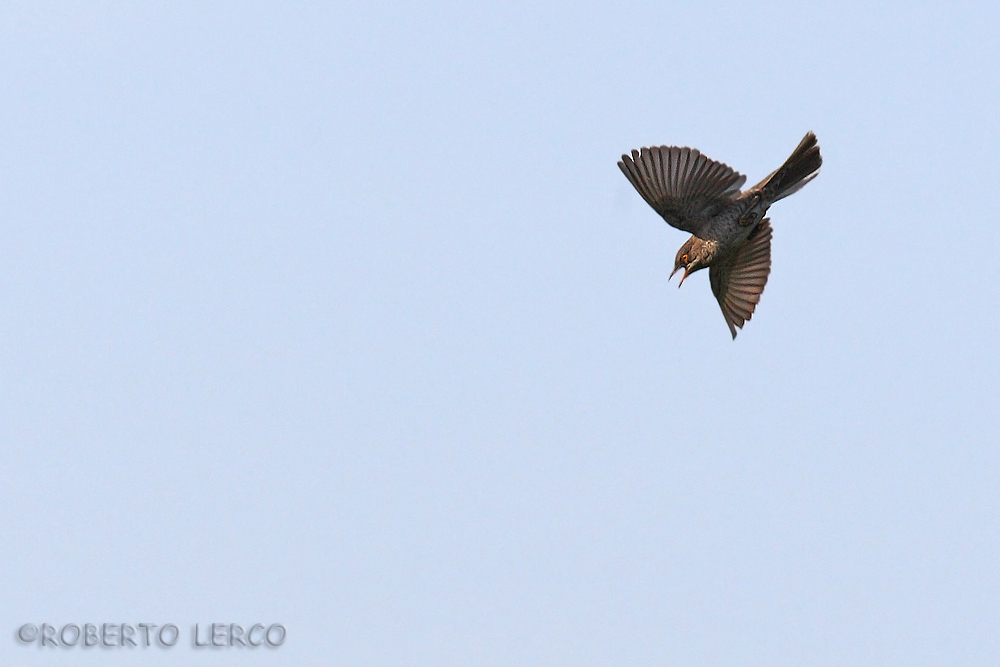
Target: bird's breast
(726, 230)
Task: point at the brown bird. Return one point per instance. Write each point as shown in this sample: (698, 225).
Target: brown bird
(729, 233)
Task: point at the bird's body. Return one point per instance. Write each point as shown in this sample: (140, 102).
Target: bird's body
(729, 233)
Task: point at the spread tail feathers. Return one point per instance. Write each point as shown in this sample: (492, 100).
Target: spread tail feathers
(801, 167)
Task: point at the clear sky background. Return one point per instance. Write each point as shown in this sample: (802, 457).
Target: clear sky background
(343, 317)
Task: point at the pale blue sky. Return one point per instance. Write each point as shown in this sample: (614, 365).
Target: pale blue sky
(344, 317)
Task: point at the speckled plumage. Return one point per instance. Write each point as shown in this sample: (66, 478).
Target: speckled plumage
(729, 233)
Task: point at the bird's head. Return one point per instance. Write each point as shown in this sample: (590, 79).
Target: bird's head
(693, 255)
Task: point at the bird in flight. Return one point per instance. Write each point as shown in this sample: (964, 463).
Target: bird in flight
(729, 233)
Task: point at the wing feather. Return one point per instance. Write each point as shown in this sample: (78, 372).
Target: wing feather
(739, 282)
(682, 185)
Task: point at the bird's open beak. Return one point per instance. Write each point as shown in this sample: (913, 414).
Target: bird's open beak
(673, 272)
(686, 272)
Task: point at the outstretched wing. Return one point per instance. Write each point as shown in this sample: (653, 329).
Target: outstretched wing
(739, 282)
(681, 184)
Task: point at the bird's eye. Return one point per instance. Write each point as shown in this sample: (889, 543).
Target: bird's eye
(684, 259)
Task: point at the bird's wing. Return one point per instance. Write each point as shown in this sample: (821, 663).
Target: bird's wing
(739, 282)
(681, 184)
